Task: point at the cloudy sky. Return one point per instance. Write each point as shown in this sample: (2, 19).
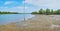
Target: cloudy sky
(28, 5)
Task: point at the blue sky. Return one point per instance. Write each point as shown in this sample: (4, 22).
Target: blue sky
(28, 5)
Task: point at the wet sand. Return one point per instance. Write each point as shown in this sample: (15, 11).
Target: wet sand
(37, 23)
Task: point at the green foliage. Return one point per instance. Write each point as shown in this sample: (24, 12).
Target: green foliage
(34, 12)
(8, 13)
(52, 12)
(47, 11)
(41, 11)
(58, 11)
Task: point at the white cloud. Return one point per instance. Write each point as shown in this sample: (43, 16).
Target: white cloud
(37, 4)
(18, 9)
(8, 2)
(13, 9)
(30, 9)
(46, 3)
(53, 4)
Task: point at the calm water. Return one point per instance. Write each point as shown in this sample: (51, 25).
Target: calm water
(8, 18)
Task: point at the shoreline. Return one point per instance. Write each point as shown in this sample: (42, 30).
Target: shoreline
(39, 22)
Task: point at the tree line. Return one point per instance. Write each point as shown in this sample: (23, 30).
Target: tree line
(47, 11)
(8, 12)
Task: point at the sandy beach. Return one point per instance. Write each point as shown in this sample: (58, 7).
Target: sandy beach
(37, 23)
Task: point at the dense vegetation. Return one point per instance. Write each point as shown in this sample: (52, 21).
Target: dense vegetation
(47, 11)
(8, 12)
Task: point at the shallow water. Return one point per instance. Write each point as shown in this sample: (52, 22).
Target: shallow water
(8, 18)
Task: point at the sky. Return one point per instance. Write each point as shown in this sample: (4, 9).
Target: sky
(28, 5)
